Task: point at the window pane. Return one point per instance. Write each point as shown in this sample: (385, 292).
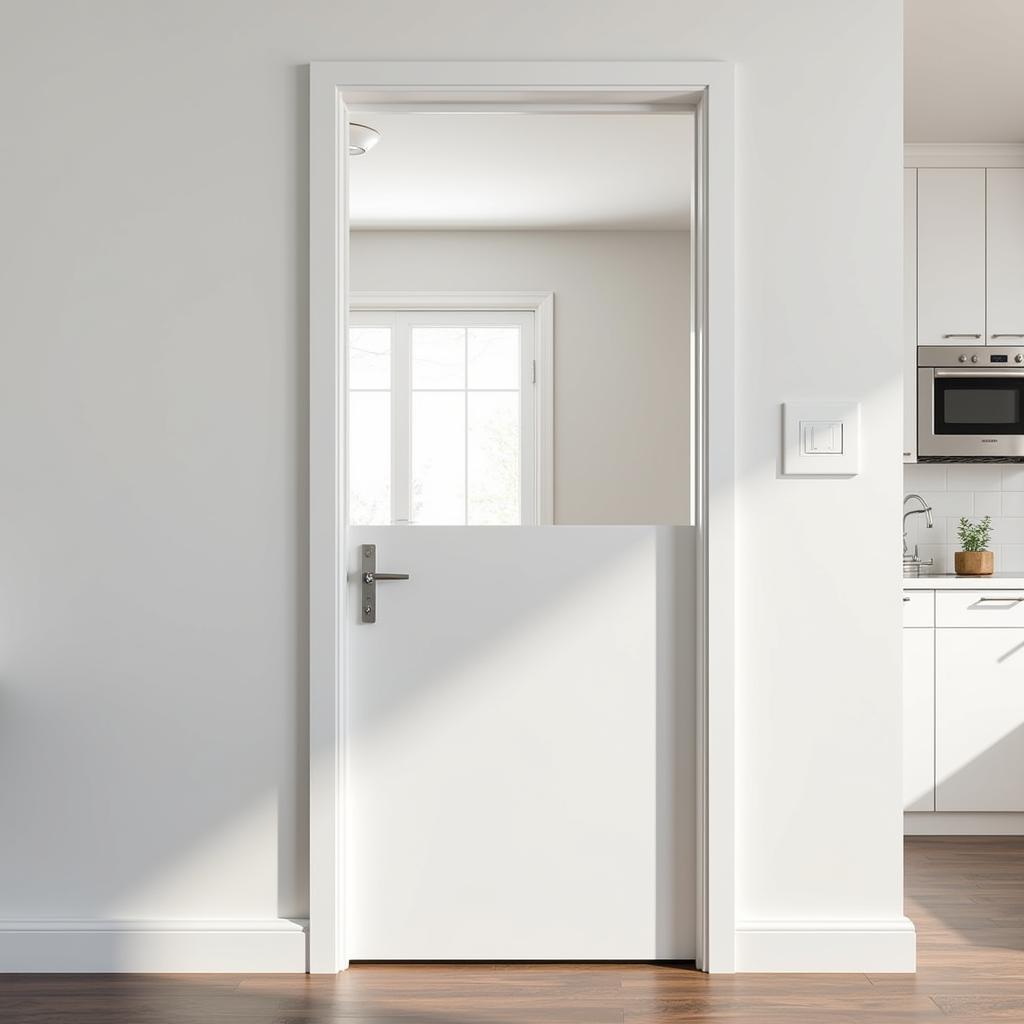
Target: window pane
(493, 357)
(438, 357)
(369, 447)
(369, 357)
(439, 458)
(493, 454)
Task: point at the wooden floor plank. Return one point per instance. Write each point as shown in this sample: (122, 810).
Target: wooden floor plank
(965, 895)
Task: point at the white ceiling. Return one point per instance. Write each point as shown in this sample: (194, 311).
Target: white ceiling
(524, 171)
(964, 70)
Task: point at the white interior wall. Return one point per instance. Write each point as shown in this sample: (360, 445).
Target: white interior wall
(622, 344)
(153, 288)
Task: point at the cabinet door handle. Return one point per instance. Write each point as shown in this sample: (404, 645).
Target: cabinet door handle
(1008, 335)
(1004, 600)
(906, 599)
(962, 335)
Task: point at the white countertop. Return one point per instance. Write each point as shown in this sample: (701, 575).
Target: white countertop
(948, 581)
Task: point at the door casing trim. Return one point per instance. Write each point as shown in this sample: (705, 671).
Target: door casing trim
(704, 87)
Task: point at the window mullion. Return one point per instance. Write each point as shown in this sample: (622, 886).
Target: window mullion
(465, 426)
(401, 421)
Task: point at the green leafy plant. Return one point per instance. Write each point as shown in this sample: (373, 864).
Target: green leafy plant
(974, 537)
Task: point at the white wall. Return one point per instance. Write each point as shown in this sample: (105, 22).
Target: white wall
(152, 452)
(622, 342)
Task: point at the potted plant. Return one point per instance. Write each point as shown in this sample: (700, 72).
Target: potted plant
(974, 559)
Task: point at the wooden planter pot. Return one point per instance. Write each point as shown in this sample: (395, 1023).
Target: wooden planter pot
(974, 563)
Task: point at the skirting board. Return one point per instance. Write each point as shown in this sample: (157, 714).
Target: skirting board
(110, 947)
(861, 947)
(963, 823)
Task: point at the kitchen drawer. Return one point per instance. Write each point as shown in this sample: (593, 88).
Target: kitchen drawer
(918, 607)
(979, 608)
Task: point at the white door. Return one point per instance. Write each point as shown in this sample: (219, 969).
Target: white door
(519, 721)
(979, 714)
(951, 256)
(1005, 236)
(520, 757)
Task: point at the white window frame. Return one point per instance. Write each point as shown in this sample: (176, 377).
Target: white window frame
(538, 463)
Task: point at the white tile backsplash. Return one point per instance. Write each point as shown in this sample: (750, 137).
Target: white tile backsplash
(1008, 530)
(940, 554)
(1011, 558)
(973, 491)
(1013, 504)
(928, 476)
(945, 503)
(978, 477)
(993, 503)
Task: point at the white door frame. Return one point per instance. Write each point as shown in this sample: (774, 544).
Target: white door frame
(542, 306)
(707, 89)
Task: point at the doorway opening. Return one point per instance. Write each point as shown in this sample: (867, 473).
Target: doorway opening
(508, 728)
(552, 706)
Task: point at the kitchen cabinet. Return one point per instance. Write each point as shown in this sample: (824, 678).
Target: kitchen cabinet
(951, 256)
(979, 718)
(988, 609)
(919, 608)
(910, 314)
(1004, 219)
(919, 718)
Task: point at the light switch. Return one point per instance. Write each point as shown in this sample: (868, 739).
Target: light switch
(820, 438)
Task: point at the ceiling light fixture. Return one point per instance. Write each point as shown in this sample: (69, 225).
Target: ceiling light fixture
(361, 137)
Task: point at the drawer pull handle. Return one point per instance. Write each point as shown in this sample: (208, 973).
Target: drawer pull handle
(906, 599)
(1003, 600)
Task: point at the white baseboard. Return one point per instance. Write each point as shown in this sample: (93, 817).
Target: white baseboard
(963, 823)
(274, 946)
(862, 947)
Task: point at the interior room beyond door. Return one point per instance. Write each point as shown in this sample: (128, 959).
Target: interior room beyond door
(520, 726)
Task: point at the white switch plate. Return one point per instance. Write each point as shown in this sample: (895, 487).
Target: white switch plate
(821, 438)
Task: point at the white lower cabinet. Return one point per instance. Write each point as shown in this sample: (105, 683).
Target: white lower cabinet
(979, 718)
(918, 719)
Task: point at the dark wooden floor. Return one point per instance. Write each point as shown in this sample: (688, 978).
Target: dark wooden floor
(965, 895)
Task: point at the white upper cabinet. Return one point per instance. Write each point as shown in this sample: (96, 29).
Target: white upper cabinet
(951, 256)
(1005, 227)
(909, 314)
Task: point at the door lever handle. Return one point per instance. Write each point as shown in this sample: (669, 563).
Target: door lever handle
(369, 578)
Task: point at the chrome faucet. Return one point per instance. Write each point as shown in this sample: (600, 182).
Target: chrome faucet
(925, 510)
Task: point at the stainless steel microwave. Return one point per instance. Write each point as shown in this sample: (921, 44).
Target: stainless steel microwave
(970, 404)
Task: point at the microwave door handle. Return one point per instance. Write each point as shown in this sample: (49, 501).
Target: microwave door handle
(983, 372)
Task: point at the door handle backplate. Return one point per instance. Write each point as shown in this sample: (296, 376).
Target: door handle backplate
(368, 578)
